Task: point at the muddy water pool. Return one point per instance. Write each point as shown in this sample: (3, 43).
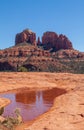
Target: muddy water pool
(31, 103)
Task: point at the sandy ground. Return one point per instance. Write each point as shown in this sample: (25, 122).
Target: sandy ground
(67, 112)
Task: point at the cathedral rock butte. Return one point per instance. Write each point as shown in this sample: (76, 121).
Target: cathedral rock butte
(50, 40)
(51, 53)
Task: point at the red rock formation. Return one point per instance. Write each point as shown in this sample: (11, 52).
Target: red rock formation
(68, 54)
(25, 36)
(63, 43)
(35, 59)
(49, 38)
(38, 41)
(52, 40)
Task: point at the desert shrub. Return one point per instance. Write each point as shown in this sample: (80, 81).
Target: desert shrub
(10, 122)
(22, 69)
(77, 66)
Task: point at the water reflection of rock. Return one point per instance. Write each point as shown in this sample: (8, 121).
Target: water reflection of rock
(49, 95)
(30, 97)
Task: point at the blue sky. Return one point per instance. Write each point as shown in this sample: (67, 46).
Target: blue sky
(60, 16)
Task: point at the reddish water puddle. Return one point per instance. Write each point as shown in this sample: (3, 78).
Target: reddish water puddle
(31, 103)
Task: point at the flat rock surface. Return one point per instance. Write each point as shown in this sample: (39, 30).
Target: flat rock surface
(67, 112)
(4, 102)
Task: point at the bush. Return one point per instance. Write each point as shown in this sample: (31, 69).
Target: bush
(9, 122)
(22, 69)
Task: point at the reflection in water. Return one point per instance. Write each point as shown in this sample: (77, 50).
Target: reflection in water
(31, 103)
